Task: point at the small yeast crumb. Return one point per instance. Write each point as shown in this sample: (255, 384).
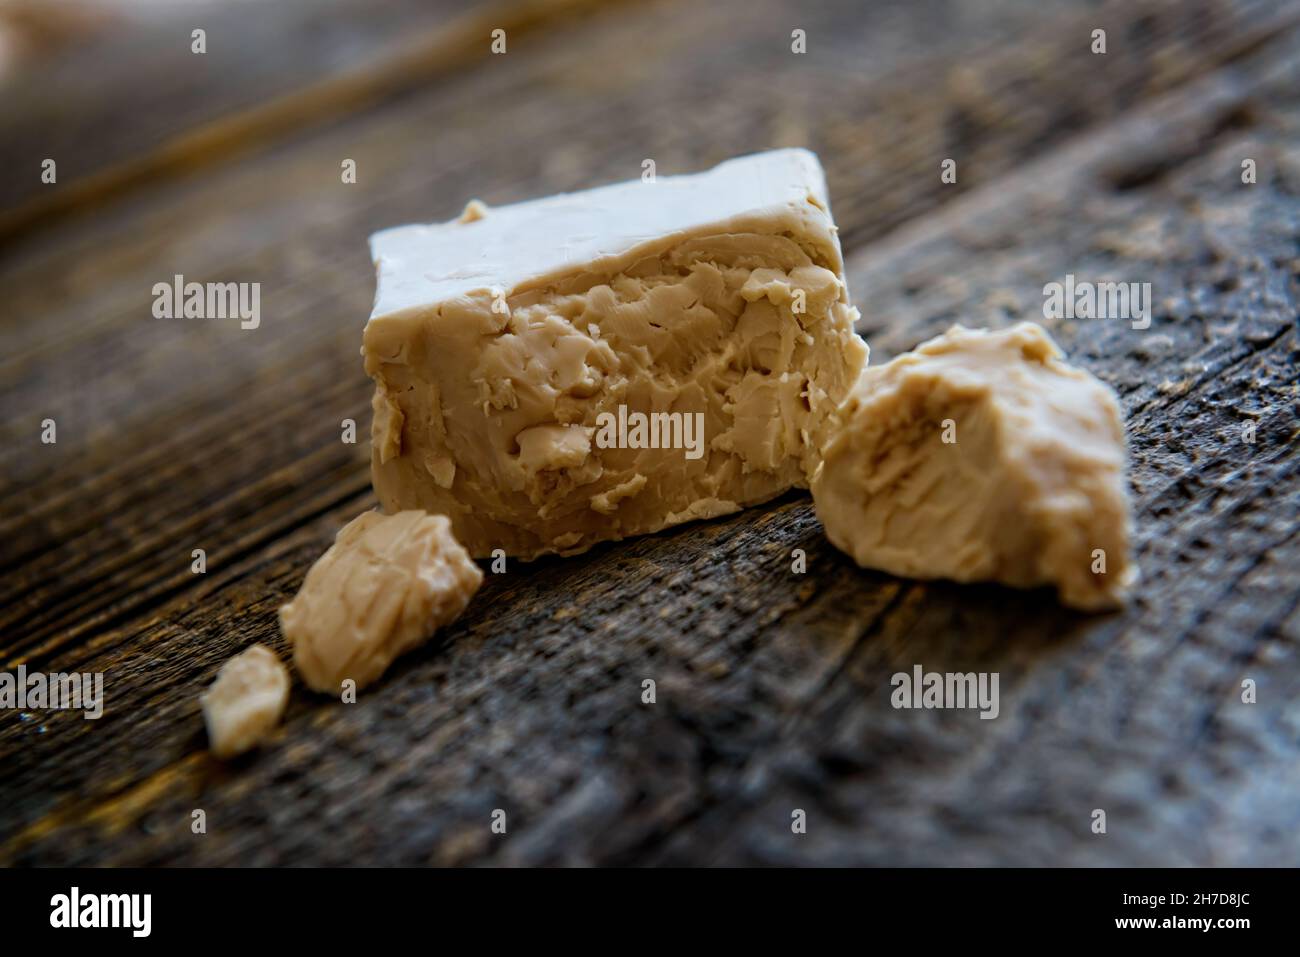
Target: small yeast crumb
(474, 211)
(383, 588)
(245, 702)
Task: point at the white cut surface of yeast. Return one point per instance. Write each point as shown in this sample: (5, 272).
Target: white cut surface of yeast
(508, 247)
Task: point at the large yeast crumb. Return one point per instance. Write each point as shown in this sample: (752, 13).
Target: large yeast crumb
(245, 702)
(384, 587)
(983, 457)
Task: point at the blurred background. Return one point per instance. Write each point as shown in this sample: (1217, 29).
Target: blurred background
(142, 139)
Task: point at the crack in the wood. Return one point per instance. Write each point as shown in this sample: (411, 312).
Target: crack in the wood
(1162, 403)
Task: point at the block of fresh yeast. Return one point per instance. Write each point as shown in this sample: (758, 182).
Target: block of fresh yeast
(595, 365)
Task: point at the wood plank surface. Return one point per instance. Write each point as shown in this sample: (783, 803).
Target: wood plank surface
(773, 688)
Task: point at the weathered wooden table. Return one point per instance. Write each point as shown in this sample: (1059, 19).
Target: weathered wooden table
(772, 687)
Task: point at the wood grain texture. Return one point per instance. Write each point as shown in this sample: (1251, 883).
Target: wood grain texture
(262, 74)
(773, 687)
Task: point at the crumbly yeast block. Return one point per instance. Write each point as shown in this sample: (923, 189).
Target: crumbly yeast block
(384, 587)
(982, 456)
(245, 702)
(591, 366)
